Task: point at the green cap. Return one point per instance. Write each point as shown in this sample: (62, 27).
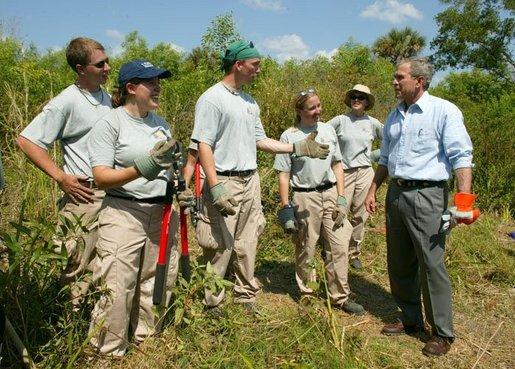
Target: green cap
(239, 50)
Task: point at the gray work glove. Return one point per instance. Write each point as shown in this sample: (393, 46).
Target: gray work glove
(310, 148)
(375, 155)
(340, 211)
(159, 158)
(223, 201)
(186, 198)
(287, 219)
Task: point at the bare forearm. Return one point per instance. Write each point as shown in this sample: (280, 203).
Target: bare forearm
(272, 146)
(106, 177)
(340, 177)
(208, 163)
(284, 183)
(464, 179)
(40, 158)
(189, 168)
(379, 177)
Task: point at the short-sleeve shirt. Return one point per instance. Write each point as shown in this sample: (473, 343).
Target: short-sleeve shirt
(355, 136)
(308, 172)
(69, 117)
(119, 138)
(229, 122)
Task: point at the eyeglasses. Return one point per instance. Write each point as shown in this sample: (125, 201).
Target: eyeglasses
(101, 64)
(358, 97)
(249, 46)
(308, 91)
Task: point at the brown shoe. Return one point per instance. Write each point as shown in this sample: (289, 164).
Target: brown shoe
(399, 328)
(437, 346)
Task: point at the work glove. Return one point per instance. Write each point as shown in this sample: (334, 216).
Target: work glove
(340, 211)
(375, 155)
(287, 219)
(461, 212)
(160, 157)
(223, 201)
(186, 198)
(310, 148)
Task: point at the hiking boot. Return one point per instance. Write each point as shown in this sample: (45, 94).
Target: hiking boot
(351, 307)
(356, 263)
(398, 328)
(437, 346)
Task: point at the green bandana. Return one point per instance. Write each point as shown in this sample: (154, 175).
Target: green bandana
(240, 50)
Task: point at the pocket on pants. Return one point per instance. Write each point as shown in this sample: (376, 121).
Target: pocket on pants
(209, 233)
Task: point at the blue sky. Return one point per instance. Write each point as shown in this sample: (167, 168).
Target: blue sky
(280, 28)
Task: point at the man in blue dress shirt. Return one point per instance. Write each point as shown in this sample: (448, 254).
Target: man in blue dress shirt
(424, 139)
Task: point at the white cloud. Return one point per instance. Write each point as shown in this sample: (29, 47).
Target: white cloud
(177, 48)
(392, 11)
(115, 34)
(327, 54)
(273, 5)
(286, 47)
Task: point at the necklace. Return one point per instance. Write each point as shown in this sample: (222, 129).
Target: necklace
(87, 98)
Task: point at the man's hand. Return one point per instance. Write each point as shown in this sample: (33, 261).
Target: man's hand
(370, 202)
(160, 157)
(287, 219)
(186, 198)
(223, 201)
(340, 211)
(77, 193)
(310, 148)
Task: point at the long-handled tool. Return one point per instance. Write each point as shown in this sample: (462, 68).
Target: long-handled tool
(198, 191)
(160, 278)
(185, 254)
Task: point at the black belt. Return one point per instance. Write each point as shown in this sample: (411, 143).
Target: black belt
(150, 200)
(320, 188)
(236, 173)
(89, 184)
(416, 183)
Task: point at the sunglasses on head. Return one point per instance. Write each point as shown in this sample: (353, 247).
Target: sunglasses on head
(101, 64)
(249, 46)
(308, 91)
(358, 97)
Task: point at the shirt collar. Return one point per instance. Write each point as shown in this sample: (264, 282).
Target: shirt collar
(422, 103)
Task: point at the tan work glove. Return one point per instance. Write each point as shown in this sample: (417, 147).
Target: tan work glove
(223, 201)
(185, 198)
(340, 211)
(310, 148)
(160, 157)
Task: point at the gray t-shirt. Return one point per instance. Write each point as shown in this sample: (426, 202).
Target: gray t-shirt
(307, 172)
(229, 122)
(355, 135)
(119, 138)
(69, 117)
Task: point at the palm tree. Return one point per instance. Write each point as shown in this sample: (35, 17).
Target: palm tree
(399, 44)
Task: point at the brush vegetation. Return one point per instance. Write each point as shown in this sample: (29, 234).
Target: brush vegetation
(286, 332)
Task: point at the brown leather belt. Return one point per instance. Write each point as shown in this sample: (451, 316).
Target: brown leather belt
(150, 200)
(89, 184)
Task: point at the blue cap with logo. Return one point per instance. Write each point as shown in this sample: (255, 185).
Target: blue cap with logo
(140, 69)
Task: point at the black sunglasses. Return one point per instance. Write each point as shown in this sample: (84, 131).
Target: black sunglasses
(249, 46)
(101, 64)
(308, 91)
(358, 97)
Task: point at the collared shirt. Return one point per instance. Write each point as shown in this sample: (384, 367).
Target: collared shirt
(426, 141)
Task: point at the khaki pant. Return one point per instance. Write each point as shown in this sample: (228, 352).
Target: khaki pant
(313, 211)
(235, 236)
(81, 252)
(357, 184)
(128, 247)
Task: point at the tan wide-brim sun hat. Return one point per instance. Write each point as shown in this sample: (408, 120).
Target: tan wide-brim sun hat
(364, 90)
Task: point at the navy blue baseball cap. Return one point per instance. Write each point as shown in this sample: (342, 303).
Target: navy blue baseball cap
(140, 69)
